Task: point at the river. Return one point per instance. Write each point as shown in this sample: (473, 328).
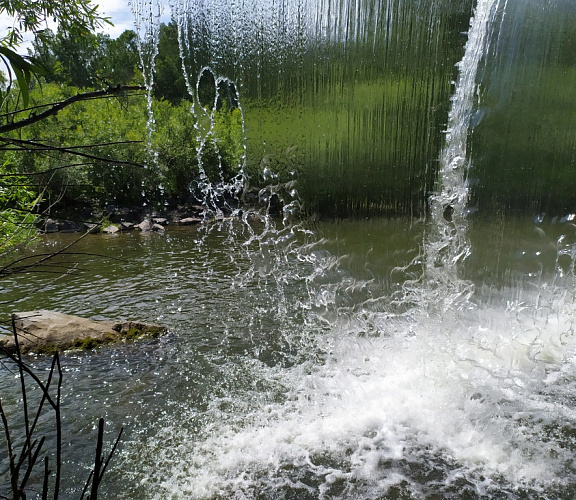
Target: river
(314, 360)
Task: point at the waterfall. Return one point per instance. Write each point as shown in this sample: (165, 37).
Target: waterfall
(448, 246)
(147, 24)
(364, 88)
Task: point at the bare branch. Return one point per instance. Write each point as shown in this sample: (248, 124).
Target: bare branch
(97, 461)
(11, 457)
(35, 146)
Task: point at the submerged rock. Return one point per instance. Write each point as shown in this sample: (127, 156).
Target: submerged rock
(51, 226)
(111, 229)
(188, 221)
(45, 332)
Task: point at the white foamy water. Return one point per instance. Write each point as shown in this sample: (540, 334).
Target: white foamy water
(472, 400)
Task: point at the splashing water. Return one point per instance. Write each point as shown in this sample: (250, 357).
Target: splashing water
(147, 15)
(343, 395)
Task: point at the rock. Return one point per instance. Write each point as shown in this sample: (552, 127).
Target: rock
(127, 226)
(157, 227)
(45, 332)
(92, 228)
(51, 226)
(70, 226)
(110, 229)
(125, 215)
(160, 220)
(145, 225)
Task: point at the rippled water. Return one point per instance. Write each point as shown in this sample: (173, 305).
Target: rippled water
(301, 364)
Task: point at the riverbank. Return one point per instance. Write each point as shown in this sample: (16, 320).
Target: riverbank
(115, 219)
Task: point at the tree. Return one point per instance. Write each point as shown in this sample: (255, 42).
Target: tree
(76, 17)
(68, 59)
(169, 82)
(88, 61)
(73, 55)
(121, 61)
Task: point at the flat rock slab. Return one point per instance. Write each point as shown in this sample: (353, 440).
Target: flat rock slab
(46, 332)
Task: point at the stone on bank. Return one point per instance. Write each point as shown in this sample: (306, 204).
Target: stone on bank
(45, 332)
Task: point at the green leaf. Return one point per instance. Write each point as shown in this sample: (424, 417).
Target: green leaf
(23, 68)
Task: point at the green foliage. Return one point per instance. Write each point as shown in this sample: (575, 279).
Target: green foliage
(100, 128)
(229, 136)
(17, 202)
(169, 82)
(23, 68)
(121, 63)
(78, 18)
(174, 143)
(114, 131)
(89, 60)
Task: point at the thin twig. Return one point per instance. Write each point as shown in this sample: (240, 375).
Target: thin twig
(32, 462)
(112, 451)
(22, 382)
(10, 269)
(46, 477)
(88, 482)
(40, 405)
(14, 358)
(97, 461)
(51, 104)
(46, 257)
(25, 145)
(13, 478)
(58, 430)
(71, 165)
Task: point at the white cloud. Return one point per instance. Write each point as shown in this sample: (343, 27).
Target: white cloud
(120, 13)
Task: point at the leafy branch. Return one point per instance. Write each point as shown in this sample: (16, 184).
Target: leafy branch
(77, 17)
(23, 68)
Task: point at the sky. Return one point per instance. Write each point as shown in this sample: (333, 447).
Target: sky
(121, 15)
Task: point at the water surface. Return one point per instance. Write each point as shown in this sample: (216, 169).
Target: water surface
(315, 361)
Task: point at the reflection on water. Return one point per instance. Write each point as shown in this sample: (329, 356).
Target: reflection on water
(294, 369)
